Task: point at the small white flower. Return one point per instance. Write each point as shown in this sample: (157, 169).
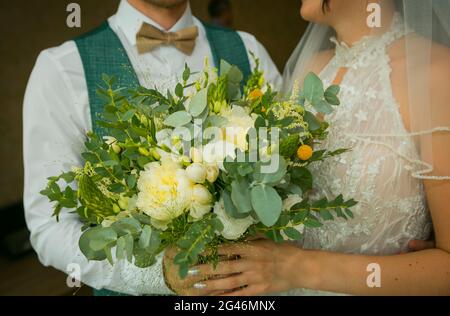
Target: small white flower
(216, 153)
(201, 201)
(197, 172)
(112, 142)
(201, 195)
(196, 155)
(233, 228)
(212, 173)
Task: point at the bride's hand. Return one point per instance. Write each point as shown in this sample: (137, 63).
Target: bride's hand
(183, 287)
(264, 267)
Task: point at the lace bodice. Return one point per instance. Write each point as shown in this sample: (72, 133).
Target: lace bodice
(392, 206)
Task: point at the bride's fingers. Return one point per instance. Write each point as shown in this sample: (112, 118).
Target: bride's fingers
(225, 284)
(233, 249)
(245, 291)
(222, 268)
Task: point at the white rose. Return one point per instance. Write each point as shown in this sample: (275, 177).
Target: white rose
(197, 172)
(291, 200)
(216, 152)
(233, 228)
(288, 203)
(201, 195)
(212, 173)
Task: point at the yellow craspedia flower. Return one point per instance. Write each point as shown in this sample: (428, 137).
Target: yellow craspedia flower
(255, 94)
(304, 152)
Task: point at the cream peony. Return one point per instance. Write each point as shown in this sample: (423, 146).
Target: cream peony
(233, 228)
(165, 191)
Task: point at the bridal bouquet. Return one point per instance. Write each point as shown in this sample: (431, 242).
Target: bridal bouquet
(212, 162)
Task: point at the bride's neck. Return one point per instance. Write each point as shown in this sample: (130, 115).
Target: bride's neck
(352, 28)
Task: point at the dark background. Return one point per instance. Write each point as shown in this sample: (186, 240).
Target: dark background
(29, 26)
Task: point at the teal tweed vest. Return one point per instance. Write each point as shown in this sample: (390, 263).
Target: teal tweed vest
(102, 52)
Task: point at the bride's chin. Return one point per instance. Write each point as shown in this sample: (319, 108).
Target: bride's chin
(311, 11)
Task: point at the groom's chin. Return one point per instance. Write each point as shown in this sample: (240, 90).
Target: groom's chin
(166, 3)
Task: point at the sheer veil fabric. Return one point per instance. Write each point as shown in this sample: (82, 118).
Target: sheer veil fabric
(426, 34)
(392, 147)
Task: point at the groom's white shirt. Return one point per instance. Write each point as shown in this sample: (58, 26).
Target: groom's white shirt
(56, 118)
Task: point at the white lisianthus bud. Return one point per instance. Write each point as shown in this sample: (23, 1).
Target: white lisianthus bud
(112, 142)
(196, 155)
(196, 173)
(212, 173)
(201, 195)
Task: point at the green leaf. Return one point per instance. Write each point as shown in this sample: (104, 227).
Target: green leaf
(313, 88)
(274, 235)
(120, 248)
(230, 208)
(302, 177)
(186, 73)
(292, 233)
(92, 158)
(323, 106)
(144, 240)
(178, 119)
(68, 177)
(179, 90)
(273, 178)
(198, 103)
(131, 181)
(128, 115)
(84, 244)
(240, 195)
(313, 223)
(333, 89)
(313, 123)
(117, 188)
(326, 215)
(127, 225)
(267, 204)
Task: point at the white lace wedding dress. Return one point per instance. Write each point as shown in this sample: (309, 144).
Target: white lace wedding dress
(392, 206)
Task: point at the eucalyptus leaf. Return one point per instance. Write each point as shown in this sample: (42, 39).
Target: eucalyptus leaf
(267, 204)
(198, 103)
(240, 195)
(313, 88)
(178, 119)
(323, 106)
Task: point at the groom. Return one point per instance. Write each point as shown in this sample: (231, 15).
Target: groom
(146, 42)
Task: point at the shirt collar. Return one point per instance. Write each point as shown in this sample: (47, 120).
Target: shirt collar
(130, 20)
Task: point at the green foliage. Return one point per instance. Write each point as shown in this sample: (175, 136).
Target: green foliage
(322, 100)
(111, 169)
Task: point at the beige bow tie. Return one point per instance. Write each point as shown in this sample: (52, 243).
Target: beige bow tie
(149, 38)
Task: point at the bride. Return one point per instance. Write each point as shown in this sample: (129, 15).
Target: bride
(394, 114)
